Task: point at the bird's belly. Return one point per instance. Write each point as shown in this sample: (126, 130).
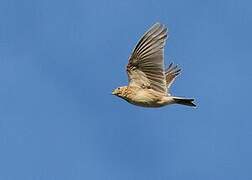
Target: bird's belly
(145, 100)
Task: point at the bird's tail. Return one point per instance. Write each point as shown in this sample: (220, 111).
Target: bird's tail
(184, 101)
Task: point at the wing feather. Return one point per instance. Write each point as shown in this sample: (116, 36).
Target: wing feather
(170, 74)
(146, 64)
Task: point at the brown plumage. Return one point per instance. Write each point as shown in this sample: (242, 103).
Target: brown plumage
(149, 83)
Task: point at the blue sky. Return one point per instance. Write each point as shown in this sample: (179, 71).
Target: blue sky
(59, 61)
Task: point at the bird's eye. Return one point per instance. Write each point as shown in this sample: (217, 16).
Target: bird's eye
(118, 88)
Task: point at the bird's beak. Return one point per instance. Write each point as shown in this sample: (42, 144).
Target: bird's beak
(113, 92)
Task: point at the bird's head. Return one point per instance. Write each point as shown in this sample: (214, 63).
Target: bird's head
(120, 91)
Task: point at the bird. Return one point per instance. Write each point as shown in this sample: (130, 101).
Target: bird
(149, 82)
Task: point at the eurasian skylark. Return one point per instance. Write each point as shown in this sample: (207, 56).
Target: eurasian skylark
(149, 82)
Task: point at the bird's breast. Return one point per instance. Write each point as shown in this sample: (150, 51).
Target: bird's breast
(145, 98)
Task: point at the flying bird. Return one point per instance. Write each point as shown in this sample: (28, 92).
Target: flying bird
(149, 81)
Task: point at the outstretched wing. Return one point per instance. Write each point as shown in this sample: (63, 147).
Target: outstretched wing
(146, 64)
(170, 74)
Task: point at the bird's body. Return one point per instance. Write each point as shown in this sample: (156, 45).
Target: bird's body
(149, 83)
(144, 97)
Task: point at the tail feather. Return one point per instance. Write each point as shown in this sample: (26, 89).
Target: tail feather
(184, 101)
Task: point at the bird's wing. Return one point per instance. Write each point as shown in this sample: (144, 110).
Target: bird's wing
(170, 74)
(146, 64)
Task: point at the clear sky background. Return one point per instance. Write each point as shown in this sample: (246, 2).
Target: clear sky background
(60, 60)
